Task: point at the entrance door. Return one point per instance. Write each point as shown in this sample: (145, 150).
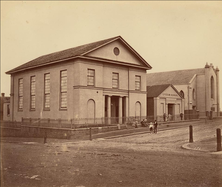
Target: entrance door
(114, 109)
(170, 111)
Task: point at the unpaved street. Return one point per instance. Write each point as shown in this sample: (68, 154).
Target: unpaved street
(142, 160)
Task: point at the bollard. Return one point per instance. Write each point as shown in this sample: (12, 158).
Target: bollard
(191, 133)
(90, 134)
(218, 140)
(45, 137)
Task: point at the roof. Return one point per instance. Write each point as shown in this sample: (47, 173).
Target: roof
(156, 90)
(178, 77)
(70, 54)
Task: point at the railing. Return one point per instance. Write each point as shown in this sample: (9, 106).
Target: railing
(94, 122)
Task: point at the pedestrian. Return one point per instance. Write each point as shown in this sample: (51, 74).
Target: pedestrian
(164, 116)
(143, 123)
(155, 126)
(136, 124)
(151, 126)
(181, 116)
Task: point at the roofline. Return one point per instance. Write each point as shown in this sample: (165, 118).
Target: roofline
(36, 66)
(81, 57)
(175, 70)
(192, 78)
(115, 38)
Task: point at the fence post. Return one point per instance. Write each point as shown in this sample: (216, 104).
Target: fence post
(90, 134)
(71, 123)
(45, 137)
(38, 125)
(218, 139)
(191, 134)
(48, 122)
(59, 120)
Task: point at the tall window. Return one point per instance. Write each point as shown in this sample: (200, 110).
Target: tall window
(63, 89)
(20, 94)
(47, 91)
(212, 87)
(194, 94)
(137, 82)
(91, 77)
(115, 80)
(32, 93)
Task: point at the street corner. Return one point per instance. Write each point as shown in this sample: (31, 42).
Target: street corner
(194, 146)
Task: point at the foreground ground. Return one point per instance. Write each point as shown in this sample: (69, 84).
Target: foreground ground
(141, 160)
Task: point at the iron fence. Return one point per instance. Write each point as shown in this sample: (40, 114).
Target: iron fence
(95, 122)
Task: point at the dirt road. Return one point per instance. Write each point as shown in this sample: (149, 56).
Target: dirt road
(142, 160)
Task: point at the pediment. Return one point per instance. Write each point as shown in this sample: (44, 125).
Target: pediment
(118, 51)
(170, 93)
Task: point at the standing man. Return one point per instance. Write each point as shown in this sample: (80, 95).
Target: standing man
(155, 126)
(181, 116)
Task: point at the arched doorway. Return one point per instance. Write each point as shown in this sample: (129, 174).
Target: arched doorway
(91, 111)
(138, 110)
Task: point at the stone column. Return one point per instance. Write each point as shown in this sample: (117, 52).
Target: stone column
(126, 108)
(103, 105)
(120, 110)
(109, 109)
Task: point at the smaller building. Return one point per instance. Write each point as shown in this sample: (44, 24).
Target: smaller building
(164, 100)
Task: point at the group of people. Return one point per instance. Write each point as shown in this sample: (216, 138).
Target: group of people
(152, 125)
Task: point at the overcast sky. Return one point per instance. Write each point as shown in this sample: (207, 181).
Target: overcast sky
(170, 35)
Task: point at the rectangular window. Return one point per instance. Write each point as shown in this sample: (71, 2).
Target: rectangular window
(47, 91)
(20, 94)
(137, 82)
(91, 77)
(32, 93)
(63, 89)
(115, 80)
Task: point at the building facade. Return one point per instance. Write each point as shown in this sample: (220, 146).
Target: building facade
(198, 87)
(164, 101)
(100, 82)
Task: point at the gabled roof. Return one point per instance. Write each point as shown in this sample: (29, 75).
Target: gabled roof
(156, 90)
(76, 52)
(179, 77)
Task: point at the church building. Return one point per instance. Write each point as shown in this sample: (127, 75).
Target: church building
(198, 87)
(100, 82)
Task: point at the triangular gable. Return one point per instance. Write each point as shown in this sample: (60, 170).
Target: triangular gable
(170, 92)
(120, 51)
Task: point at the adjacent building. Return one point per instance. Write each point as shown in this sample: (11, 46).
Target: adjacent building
(102, 82)
(164, 101)
(198, 87)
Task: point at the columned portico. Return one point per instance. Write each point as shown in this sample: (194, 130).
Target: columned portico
(116, 109)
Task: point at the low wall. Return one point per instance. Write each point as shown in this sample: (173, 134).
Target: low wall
(40, 132)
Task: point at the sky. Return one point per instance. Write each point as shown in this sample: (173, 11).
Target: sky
(169, 35)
